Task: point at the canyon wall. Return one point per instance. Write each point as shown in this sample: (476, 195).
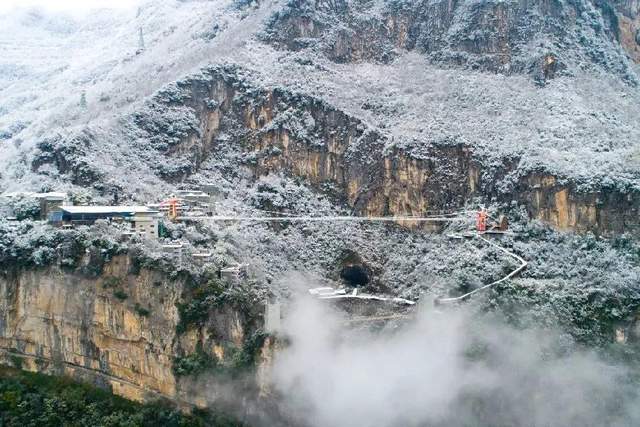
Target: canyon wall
(628, 13)
(118, 331)
(539, 38)
(276, 131)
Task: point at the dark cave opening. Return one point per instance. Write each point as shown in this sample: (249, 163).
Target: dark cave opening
(355, 275)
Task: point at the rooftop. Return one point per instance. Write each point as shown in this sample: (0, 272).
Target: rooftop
(48, 196)
(108, 209)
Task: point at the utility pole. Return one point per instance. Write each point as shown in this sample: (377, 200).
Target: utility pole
(83, 100)
(141, 46)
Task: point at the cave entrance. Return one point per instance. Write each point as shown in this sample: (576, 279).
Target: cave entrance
(355, 275)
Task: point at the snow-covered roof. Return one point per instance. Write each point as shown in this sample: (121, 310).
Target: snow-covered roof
(326, 290)
(107, 209)
(51, 195)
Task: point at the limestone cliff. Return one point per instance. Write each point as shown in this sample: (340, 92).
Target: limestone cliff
(279, 131)
(395, 107)
(628, 14)
(540, 38)
(117, 330)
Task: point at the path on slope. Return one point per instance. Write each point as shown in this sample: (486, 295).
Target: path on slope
(459, 216)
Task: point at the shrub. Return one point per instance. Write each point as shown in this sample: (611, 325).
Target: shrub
(195, 310)
(246, 358)
(16, 361)
(34, 399)
(194, 363)
(142, 311)
(111, 282)
(25, 208)
(120, 294)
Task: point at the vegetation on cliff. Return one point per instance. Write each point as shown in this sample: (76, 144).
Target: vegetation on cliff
(318, 107)
(28, 399)
(208, 298)
(237, 360)
(85, 251)
(36, 244)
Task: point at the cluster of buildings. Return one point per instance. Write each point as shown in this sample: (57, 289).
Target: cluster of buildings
(146, 221)
(187, 203)
(56, 208)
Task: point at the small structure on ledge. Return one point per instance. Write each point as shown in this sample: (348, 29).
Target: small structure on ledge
(51, 204)
(172, 247)
(202, 258)
(326, 291)
(234, 274)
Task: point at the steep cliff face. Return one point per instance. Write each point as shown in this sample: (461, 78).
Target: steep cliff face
(118, 331)
(389, 107)
(339, 93)
(275, 130)
(628, 12)
(540, 38)
(568, 208)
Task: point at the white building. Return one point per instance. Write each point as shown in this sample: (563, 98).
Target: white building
(144, 221)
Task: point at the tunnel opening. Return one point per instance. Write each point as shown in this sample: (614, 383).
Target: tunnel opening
(355, 275)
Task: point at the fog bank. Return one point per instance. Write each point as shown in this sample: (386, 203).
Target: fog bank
(444, 368)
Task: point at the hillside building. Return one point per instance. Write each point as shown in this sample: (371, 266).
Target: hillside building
(51, 204)
(143, 220)
(234, 274)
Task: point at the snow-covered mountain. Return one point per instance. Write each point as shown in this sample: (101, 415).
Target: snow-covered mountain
(498, 77)
(335, 107)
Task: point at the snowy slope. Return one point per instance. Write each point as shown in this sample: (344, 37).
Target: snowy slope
(45, 67)
(582, 125)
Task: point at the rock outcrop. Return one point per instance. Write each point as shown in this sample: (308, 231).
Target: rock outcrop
(628, 14)
(279, 131)
(118, 331)
(227, 113)
(504, 37)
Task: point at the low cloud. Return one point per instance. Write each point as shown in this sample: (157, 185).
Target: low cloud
(445, 368)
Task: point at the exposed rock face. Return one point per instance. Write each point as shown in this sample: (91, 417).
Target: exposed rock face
(280, 131)
(62, 322)
(628, 12)
(68, 156)
(224, 114)
(505, 37)
(569, 209)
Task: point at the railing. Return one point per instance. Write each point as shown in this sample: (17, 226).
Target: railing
(521, 267)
